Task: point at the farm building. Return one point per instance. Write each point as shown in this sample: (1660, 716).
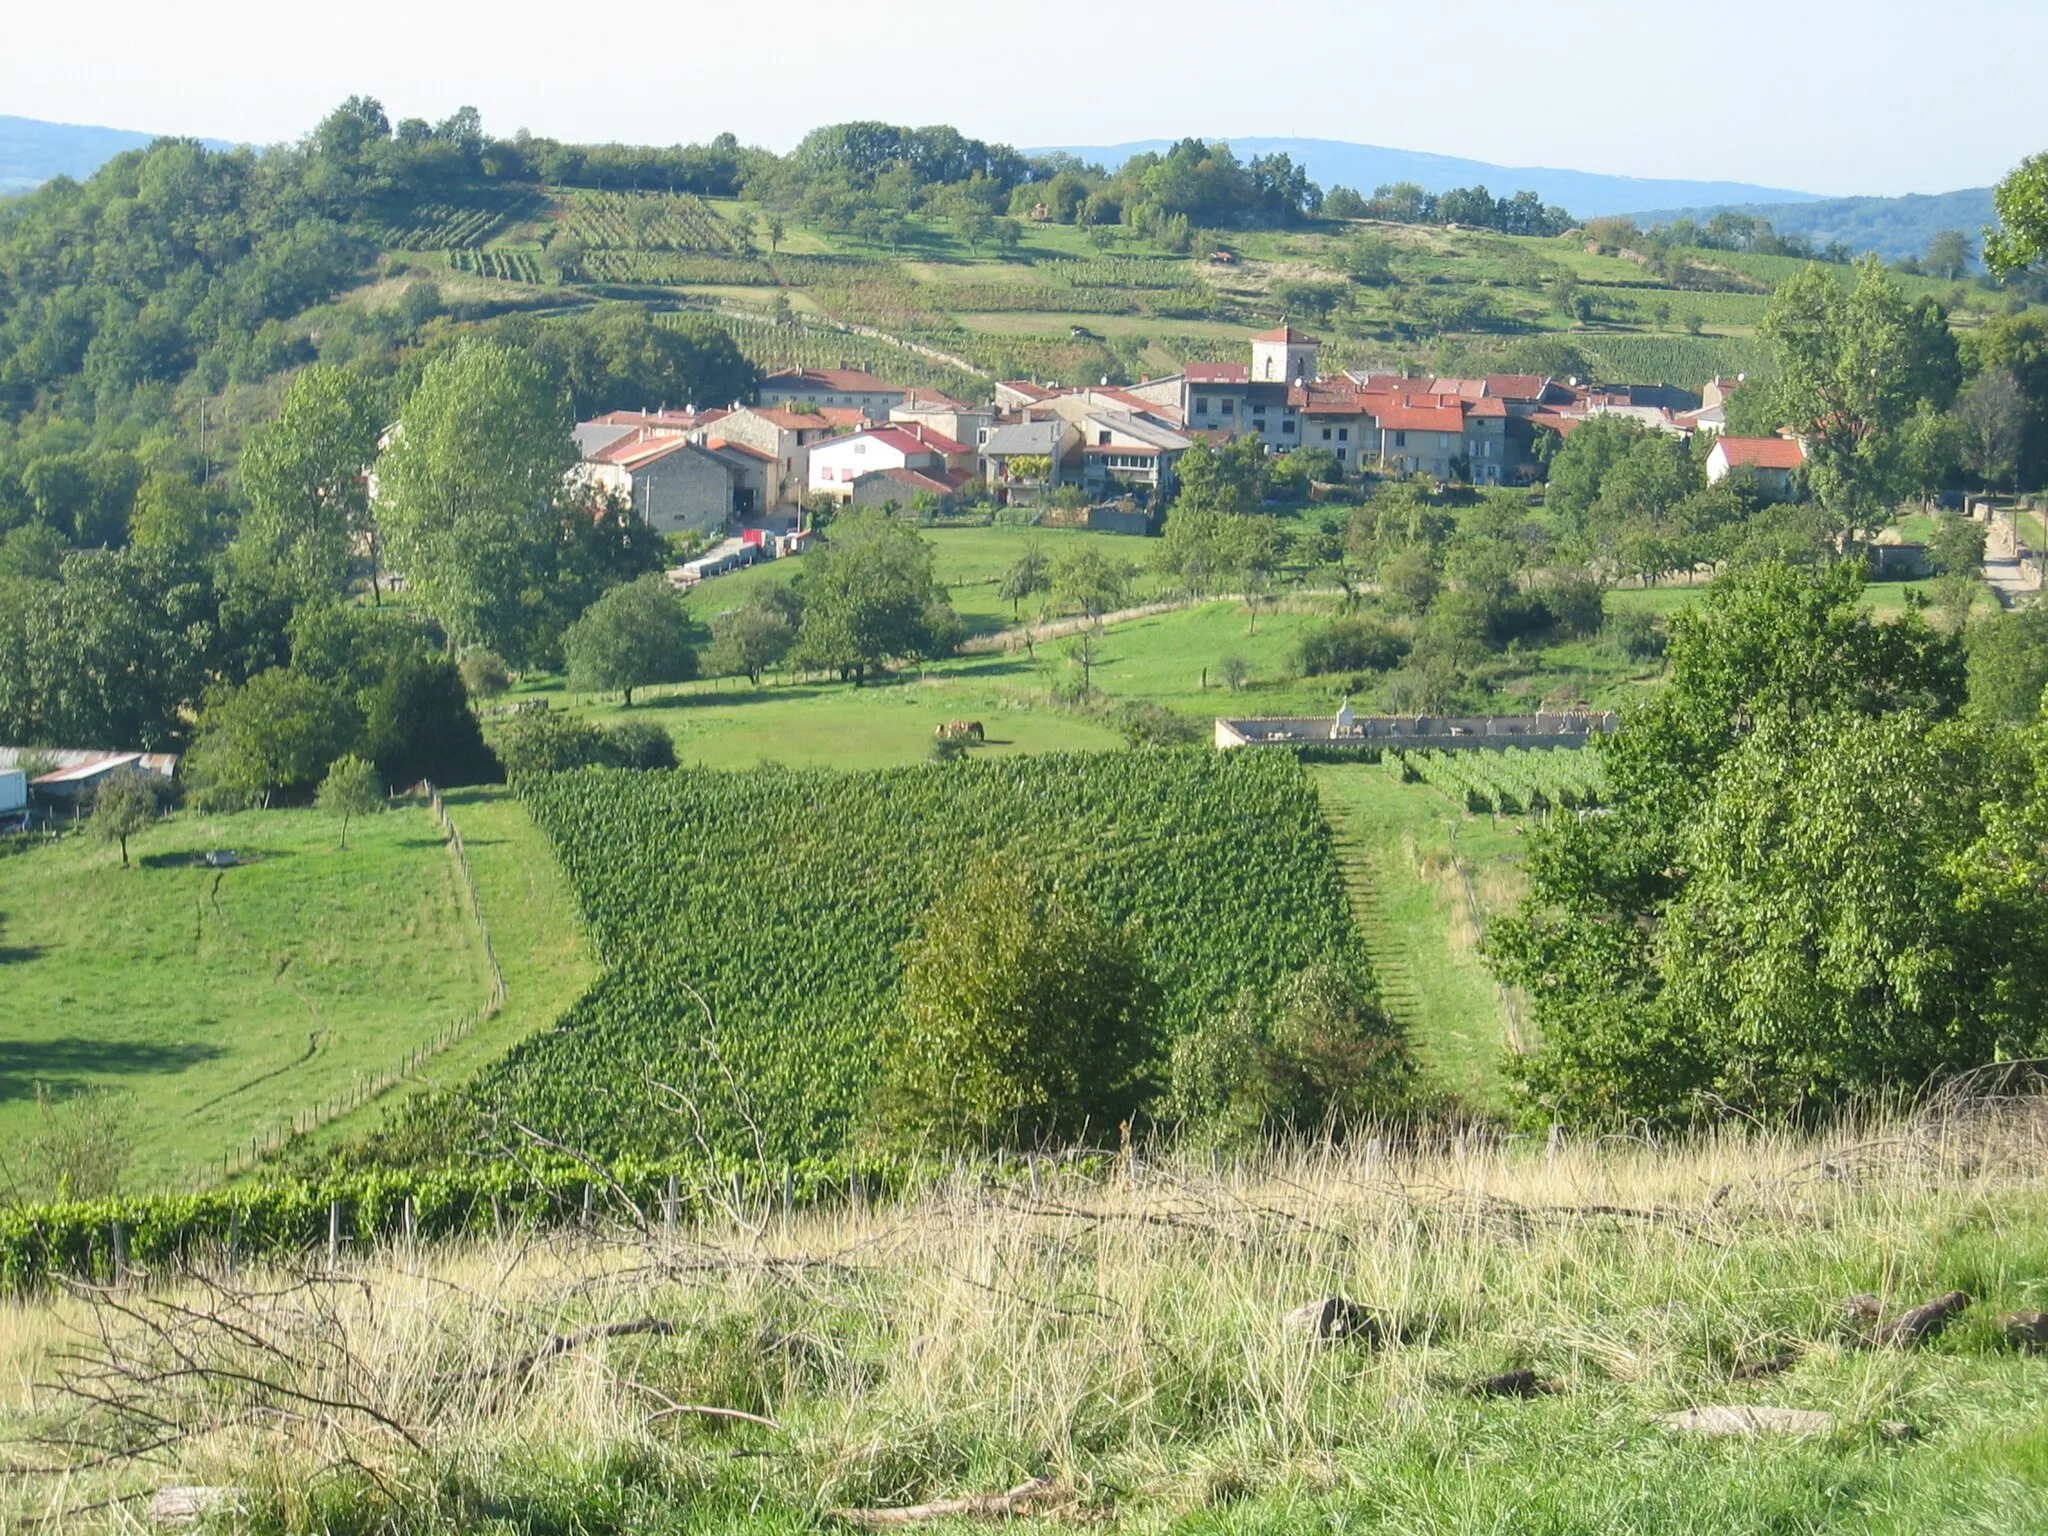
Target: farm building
(71, 776)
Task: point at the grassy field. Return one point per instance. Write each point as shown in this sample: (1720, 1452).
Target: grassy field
(220, 1006)
(1120, 1335)
(1412, 853)
(222, 1003)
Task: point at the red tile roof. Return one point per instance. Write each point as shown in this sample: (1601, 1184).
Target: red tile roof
(850, 380)
(936, 441)
(1763, 452)
(683, 420)
(824, 417)
(1488, 407)
(1417, 416)
(636, 450)
(725, 445)
(1218, 373)
(1515, 386)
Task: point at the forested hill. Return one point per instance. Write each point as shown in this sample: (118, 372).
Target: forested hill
(1897, 228)
(33, 151)
(1589, 194)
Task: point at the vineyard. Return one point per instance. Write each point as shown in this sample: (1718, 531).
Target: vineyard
(1684, 360)
(626, 221)
(671, 268)
(751, 922)
(773, 344)
(507, 266)
(463, 226)
(1506, 783)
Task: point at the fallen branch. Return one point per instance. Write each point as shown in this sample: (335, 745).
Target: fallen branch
(707, 1410)
(562, 1343)
(999, 1506)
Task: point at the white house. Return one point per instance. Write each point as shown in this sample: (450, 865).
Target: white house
(1774, 461)
(837, 464)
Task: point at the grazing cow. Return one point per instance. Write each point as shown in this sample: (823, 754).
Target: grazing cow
(960, 730)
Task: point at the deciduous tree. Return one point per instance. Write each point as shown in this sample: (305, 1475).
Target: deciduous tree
(635, 635)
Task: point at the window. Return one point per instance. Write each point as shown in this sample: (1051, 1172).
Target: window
(1202, 405)
(1102, 439)
(1230, 407)
(1340, 455)
(1343, 436)
(1287, 426)
(1400, 439)
(1326, 434)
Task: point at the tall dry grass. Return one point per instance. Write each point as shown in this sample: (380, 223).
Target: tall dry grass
(1122, 1333)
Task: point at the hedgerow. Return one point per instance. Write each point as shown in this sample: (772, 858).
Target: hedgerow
(751, 923)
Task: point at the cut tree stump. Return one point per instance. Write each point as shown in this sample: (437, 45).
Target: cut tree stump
(1924, 1321)
(186, 1505)
(1334, 1320)
(2025, 1330)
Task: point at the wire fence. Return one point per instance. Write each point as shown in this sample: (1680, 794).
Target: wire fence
(332, 1107)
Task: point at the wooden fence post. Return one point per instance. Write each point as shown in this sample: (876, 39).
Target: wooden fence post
(668, 1204)
(120, 1254)
(234, 1236)
(333, 1233)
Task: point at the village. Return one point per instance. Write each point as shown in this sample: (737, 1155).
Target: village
(740, 477)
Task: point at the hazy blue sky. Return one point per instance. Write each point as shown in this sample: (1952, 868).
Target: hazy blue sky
(1839, 96)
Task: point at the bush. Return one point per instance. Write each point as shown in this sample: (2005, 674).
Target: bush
(1577, 603)
(544, 741)
(421, 726)
(1145, 724)
(1635, 635)
(1314, 1052)
(637, 744)
(484, 674)
(1024, 1019)
(1350, 645)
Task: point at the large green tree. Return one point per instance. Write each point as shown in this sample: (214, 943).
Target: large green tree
(276, 734)
(303, 473)
(1776, 671)
(1851, 365)
(635, 635)
(2022, 203)
(479, 514)
(870, 596)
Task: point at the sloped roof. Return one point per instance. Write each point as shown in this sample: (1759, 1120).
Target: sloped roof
(849, 380)
(1019, 437)
(1288, 336)
(1763, 452)
(1417, 416)
(909, 479)
(1218, 373)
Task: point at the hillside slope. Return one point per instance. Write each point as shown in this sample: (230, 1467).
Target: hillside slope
(1894, 227)
(32, 151)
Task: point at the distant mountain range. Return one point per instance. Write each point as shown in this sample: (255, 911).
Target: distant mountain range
(32, 151)
(1365, 166)
(1891, 226)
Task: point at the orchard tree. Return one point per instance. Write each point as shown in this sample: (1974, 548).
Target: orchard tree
(278, 732)
(304, 476)
(759, 634)
(1087, 581)
(122, 806)
(870, 596)
(350, 789)
(634, 636)
(1028, 574)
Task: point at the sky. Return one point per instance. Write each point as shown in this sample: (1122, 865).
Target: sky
(1830, 96)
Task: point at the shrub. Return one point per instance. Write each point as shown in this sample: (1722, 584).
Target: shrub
(546, 742)
(637, 744)
(1350, 645)
(1145, 724)
(1024, 1018)
(1316, 1051)
(1635, 635)
(484, 674)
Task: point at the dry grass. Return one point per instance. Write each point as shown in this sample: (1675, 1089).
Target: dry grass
(1123, 1335)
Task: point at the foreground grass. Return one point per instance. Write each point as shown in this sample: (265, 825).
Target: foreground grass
(1121, 1333)
(223, 1002)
